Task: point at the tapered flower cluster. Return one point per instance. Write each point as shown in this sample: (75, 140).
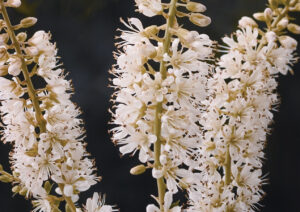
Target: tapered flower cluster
(239, 111)
(160, 83)
(40, 121)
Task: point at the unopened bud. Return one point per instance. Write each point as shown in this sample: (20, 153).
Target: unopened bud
(283, 24)
(16, 189)
(13, 3)
(28, 22)
(246, 21)
(1, 167)
(23, 191)
(6, 179)
(16, 174)
(195, 7)
(288, 42)
(259, 16)
(294, 28)
(21, 37)
(268, 14)
(137, 170)
(200, 20)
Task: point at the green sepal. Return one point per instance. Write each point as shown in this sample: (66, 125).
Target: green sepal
(48, 187)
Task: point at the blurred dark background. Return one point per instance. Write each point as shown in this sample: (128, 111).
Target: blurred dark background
(84, 31)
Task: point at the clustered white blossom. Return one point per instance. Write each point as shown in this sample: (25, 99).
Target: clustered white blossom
(161, 107)
(238, 112)
(40, 121)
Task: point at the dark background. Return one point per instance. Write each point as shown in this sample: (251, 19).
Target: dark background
(84, 31)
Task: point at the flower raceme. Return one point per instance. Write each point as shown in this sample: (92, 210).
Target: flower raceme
(160, 82)
(41, 122)
(238, 111)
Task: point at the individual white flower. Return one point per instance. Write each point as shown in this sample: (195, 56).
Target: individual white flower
(167, 204)
(246, 21)
(14, 68)
(149, 7)
(13, 3)
(97, 204)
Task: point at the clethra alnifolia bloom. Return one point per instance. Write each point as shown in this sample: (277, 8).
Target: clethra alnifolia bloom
(160, 82)
(41, 122)
(238, 112)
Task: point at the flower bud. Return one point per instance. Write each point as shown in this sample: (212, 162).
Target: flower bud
(283, 24)
(1, 168)
(200, 20)
(137, 170)
(259, 16)
(246, 21)
(28, 22)
(6, 179)
(288, 42)
(268, 14)
(13, 3)
(195, 7)
(23, 191)
(21, 37)
(294, 28)
(16, 189)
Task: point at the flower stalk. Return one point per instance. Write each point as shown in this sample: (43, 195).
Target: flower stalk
(31, 91)
(158, 113)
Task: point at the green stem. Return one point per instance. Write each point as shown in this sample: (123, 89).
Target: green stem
(31, 91)
(67, 199)
(228, 167)
(157, 124)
